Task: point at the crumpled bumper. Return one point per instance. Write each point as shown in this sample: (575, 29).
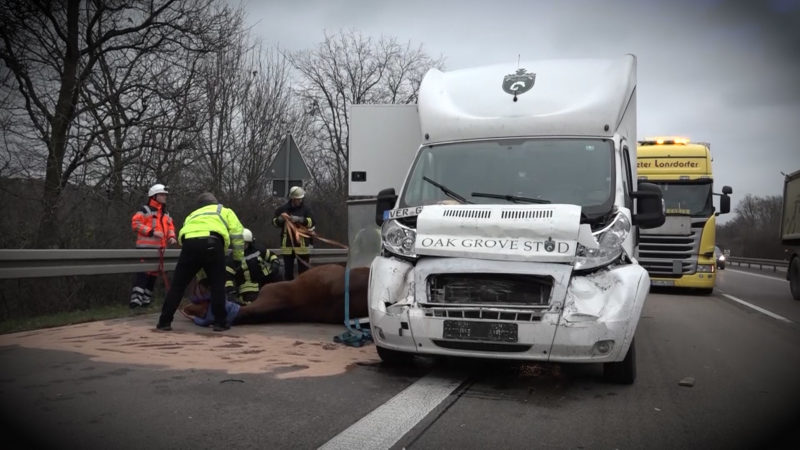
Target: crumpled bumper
(591, 318)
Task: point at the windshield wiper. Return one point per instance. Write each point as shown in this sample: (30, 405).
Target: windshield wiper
(510, 198)
(449, 192)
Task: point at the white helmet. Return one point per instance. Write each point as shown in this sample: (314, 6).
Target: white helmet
(247, 235)
(296, 192)
(157, 189)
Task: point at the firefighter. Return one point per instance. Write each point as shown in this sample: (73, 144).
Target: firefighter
(205, 236)
(299, 214)
(259, 267)
(154, 229)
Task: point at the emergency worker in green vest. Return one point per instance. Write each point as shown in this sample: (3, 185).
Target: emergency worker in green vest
(299, 214)
(206, 235)
(246, 277)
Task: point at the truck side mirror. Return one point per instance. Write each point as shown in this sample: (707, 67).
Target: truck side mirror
(727, 190)
(649, 206)
(385, 202)
(724, 203)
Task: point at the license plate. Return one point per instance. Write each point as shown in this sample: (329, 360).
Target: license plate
(480, 331)
(662, 283)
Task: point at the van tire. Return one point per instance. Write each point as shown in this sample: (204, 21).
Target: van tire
(393, 357)
(622, 372)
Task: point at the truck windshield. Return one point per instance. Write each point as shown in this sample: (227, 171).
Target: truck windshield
(688, 199)
(574, 171)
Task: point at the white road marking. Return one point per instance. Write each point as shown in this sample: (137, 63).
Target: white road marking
(757, 275)
(758, 308)
(384, 426)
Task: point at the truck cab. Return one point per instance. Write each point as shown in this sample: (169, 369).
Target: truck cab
(513, 233)
(680, 253)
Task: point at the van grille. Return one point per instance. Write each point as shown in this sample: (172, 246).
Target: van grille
(526, 214)
(489, 289)
(468, 213)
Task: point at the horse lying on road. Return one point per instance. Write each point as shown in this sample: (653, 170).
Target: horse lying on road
(316, 295)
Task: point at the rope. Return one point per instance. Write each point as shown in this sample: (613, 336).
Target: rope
(161, 270)
(297, 232)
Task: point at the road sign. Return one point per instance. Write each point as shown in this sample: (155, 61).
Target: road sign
(288, 168)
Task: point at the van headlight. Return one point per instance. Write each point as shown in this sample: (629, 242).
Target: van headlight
(609, 244)
(398, 238)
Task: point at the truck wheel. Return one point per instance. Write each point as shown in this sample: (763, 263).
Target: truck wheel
(705, 291)
(393, 357)
(622, 372)
(794, 277)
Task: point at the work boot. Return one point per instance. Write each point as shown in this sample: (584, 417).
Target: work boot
(221, 327)
(164, 326)
(135, 302)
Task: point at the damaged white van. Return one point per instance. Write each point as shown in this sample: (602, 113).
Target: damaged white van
(513, 234)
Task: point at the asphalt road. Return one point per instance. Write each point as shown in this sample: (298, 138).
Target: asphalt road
(741, 367)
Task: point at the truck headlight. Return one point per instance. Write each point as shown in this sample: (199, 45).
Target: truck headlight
(703, 268)
(398, 238)
(609, 248)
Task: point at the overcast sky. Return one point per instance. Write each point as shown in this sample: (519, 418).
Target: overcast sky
(724, 72)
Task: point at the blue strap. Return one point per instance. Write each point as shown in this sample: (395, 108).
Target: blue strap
(354, 337)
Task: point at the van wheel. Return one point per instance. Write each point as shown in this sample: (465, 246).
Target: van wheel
(622, 372)
(393, 357)
(794, 278)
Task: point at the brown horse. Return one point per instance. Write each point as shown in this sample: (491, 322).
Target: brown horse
(316, 295)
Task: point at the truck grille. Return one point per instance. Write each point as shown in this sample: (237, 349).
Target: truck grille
(669, 255)
(491, 290)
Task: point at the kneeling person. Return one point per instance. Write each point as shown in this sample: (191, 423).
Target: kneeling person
(246, 277)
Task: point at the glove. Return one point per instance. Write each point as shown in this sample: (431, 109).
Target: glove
(151, 232)
(172, 241)
(280, 220)
(298, 219)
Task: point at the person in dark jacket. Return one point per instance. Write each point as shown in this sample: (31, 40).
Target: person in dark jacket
(259, 267)
(298, 214)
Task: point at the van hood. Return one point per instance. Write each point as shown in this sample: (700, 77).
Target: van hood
(545, 233)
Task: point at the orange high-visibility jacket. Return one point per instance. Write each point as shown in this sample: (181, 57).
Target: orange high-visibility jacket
(153, 226)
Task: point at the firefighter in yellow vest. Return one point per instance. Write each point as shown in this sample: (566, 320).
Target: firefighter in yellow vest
(245, 278)
(205, 236)
(299, 214)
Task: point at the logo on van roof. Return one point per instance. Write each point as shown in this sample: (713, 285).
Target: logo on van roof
(518, 83)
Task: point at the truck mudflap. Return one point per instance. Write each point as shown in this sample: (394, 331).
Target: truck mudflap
(590, 318)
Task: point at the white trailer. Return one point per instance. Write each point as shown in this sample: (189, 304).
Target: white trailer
(514, 230)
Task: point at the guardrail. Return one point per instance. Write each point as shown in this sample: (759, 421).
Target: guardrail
(18, 263)
(774, 263)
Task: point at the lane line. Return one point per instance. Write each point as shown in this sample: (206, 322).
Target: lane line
(758, 308)
(758, 275)
(384, 426)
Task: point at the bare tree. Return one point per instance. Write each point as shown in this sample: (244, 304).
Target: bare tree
(755, 229)
(52, 49)
(350, 68)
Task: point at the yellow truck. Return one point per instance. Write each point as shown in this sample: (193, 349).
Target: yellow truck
(680, 253)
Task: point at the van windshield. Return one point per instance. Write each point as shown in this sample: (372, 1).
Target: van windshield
(572, 171)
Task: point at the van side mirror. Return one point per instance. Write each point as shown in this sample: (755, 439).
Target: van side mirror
(386, 200)
(649, 206)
